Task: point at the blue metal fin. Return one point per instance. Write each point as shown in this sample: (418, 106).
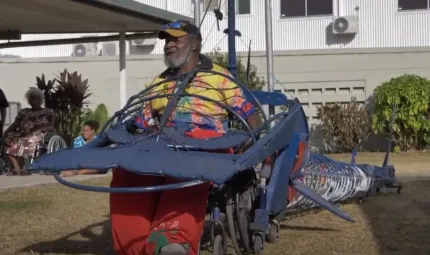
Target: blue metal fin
(319, 200)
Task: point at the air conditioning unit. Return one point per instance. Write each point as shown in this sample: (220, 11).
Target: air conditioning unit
(138, 42)
(86, 49)
(143, 42)
(110, 49)
(345, 25)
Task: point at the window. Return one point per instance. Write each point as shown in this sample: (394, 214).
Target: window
(205, 4)
(406, 5)
(210, 5)
(243, 6)
(304, 8)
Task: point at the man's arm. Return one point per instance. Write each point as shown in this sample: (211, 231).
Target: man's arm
(144, 119)
(237, 100)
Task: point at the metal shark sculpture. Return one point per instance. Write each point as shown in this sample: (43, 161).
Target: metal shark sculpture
(296, 179)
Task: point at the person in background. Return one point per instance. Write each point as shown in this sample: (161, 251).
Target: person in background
(3, 105)
(23, 135)
(89, 130)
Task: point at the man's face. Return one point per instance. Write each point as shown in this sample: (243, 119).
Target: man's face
(176, 50)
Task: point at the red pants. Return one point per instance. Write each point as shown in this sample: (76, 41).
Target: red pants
(144, 222)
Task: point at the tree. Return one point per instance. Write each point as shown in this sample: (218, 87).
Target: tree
(254, 82)
(411, 95)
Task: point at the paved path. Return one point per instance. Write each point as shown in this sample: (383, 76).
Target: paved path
(8, 182)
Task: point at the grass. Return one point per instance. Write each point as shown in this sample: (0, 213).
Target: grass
(53, 219)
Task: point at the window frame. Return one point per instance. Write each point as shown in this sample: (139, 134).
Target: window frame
(413, 10)
(202, 5)
(236, 5)
(333, 9)
(225, 9)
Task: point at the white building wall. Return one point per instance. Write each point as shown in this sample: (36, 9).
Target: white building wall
(380, 25)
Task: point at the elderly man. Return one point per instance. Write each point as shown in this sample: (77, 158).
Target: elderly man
(171, 222)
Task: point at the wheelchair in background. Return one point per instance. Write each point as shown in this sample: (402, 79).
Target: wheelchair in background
(50, 143)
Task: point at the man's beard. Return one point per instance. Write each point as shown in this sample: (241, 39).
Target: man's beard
(177, 61)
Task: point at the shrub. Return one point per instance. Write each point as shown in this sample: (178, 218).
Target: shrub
(344, 126)
(66, 96)
(411, 95)
(100, 114)
(254, 82)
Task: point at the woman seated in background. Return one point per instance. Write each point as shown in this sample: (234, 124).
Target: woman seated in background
(88, 133)
(26, 132)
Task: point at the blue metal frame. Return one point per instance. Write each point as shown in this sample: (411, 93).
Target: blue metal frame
(284, 138)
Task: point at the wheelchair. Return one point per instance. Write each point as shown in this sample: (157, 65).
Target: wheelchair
(50, 143)
(250, 185)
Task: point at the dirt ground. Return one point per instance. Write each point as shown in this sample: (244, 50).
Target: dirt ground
(53, 219)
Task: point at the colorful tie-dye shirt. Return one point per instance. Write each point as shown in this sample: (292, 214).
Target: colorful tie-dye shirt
(196, 112)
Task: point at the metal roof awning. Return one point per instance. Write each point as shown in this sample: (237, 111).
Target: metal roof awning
(19, 17)
(80, 16)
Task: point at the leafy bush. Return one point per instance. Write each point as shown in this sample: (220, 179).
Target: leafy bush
(66, 96)
(254, 82)
(345, 126)
(411, 95)
(100, 114)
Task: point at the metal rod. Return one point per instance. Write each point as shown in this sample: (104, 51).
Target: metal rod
(232, 38)
(89, 39)
(197, 13)
(122, 70)
(269, 52)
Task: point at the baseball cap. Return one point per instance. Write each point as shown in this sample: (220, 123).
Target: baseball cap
(179, 28)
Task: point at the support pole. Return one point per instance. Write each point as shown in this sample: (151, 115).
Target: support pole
(269, 52)
(232, 38)
(122, 70)
(197, 13)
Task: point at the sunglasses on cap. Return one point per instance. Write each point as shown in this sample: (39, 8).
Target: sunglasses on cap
(174, 25)
(177, 29)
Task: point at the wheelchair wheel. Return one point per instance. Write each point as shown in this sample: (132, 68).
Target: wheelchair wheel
(245, 204)
(218, 246)
(258, 245)
(273, 235)
(56, 143)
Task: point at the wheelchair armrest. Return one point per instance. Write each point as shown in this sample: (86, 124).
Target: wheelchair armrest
(46, 136)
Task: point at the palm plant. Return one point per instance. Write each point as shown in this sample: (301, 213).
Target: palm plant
(67, 96)
(100, 114)
(49, 91)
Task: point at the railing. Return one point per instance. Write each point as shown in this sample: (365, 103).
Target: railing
(11, 113)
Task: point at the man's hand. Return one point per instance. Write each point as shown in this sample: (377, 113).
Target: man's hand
(254, 121)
